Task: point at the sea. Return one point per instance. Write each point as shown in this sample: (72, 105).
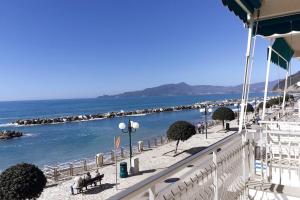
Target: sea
(59, 143)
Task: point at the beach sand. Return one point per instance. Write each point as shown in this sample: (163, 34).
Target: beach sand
(151, 162)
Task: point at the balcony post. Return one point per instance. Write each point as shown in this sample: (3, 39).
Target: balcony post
(267, 82)
(152, 194)
(246, 75)
(215, 175)
(285, 88)
(251, 161)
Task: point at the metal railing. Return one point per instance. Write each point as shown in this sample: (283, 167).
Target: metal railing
(65, 171)
(225, 176)
(281, 142)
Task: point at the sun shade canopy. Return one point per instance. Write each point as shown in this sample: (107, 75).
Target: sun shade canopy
(281, 47)
(277, 20)
(271, 16)
(242, 7)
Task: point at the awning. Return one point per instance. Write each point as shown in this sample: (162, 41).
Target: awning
(242, 7)
(279, 25)
(282, 53)
(273, 19)
(272, 16)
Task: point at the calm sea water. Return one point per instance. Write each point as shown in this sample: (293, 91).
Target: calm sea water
(49, 144)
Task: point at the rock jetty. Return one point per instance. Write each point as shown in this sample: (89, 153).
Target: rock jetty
(5, 135)
(58, 120)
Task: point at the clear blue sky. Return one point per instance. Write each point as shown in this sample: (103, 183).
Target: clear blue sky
(77, 48)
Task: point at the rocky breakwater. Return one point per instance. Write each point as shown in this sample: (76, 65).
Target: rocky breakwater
(5, 135)
(57, 120)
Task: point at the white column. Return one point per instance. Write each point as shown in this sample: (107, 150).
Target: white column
(251, 156)
(267, 82)
(152, 194)
(215, 176)
(246, 74)
(298, 108)
(285, 88)
(244, 140)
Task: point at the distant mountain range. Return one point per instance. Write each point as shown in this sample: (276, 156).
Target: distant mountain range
(181, 89)
(291, 83)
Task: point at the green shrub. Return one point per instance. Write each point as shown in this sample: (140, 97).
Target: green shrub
(275, 101)
(222, 114)
(249, 108)
(261, 104)
(279, 100)
(22, 181)
(180, 130)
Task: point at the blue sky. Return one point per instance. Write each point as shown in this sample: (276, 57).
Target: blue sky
(76, 49)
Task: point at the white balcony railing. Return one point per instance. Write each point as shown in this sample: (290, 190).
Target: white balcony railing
(217, 172)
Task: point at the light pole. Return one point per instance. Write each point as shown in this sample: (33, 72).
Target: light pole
(205, 110)
(255, 106)
(132, 127)
(238, 114)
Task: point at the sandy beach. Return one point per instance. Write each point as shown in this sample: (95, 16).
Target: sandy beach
(151, 162)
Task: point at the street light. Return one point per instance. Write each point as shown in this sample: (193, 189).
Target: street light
(205, 110)
(132, 127)
(238, 114)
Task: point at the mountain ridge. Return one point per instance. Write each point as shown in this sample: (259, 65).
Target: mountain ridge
(291, 83)
(182, 88)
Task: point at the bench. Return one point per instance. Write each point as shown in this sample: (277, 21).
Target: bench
(85, 183)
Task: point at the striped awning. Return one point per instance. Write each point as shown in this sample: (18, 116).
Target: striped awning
(282, 53)
(271, 16)
(277, 20)
(242, 7)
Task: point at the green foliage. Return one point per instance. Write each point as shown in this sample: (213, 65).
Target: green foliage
(222, 114)
(181, 130)
(279, 100)
(249, 108)
(261, 104)
(275, 101)
(22, 181)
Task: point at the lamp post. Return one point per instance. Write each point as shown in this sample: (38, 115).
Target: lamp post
(131, 128)
(205, 111)
(238, 114)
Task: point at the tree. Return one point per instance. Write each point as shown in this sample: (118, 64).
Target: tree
(22, 181)
(222, 114)
(180, 130)
(275, 101)
(261, 104)
(249, 108)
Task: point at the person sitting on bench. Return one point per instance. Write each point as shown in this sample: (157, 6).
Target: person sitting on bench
(77, 184)
(80, 183)
(87, 176)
